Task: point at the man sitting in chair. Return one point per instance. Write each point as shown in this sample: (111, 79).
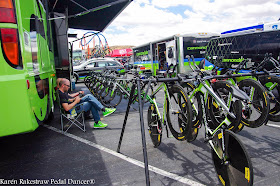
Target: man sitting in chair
(68, 101)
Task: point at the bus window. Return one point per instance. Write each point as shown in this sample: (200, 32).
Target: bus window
(42, 86)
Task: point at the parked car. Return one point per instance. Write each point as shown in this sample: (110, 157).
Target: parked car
(96, 64)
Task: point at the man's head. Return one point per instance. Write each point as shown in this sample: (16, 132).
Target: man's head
(58, 81)
(64, 85)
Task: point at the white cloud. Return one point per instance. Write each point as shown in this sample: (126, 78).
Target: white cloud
(148, 20)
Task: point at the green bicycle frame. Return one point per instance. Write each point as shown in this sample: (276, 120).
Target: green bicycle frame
(152, 100)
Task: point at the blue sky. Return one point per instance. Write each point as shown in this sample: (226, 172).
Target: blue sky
(148, 20)
(178, 10)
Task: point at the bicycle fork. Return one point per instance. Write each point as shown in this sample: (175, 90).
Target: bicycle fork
(158, 114)
(209, 134)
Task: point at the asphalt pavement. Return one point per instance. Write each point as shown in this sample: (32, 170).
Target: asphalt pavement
(90, 157)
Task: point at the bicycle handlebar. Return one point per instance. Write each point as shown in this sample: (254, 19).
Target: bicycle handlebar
(165, 80)
(168, 79)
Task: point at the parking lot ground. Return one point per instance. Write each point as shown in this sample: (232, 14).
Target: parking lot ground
(47, 154)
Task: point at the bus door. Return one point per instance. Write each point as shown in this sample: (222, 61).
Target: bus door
(161, 56)
(63, 64)
(171, 57)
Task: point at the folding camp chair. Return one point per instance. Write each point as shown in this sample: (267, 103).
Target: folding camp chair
(71, 120)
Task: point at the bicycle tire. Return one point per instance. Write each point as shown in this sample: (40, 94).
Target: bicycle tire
(182, 127)
(222, 89)
(104, 92)
(274, 97)
(154, 124)
(87, 79)
(196, 111)
(91, 85)
(100, 89)
(97, 88)
(112, 100)
(238, 169)
(259, 104)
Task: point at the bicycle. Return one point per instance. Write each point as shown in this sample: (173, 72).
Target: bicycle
(176, 108)
(270, 82)
(255, 111)
(231, 160)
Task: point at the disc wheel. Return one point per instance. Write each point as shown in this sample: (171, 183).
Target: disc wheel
(236, 167)
(179, 112)
(255, 113)
(154, 124)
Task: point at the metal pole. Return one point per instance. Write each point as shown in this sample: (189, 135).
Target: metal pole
(143, 133)
(126, 114)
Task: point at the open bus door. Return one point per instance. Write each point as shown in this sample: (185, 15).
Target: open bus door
(161, 57)
(171, 54)
(165, 54)
(63, 64)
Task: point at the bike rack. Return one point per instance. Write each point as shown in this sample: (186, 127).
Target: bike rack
(132, 97)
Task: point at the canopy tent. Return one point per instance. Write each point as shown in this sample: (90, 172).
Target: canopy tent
(121, 52)
(89, 14)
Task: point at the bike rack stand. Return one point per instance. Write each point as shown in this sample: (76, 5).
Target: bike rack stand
(132, 97)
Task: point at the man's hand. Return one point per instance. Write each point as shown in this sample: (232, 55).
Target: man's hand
(77, 99)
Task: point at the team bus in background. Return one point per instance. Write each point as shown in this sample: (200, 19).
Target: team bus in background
(250, 43)
(34, 51)
(156, 56)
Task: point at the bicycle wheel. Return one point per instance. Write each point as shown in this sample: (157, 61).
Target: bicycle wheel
(255, 113)
(217, 114)
(236, 167)
(97, 88)
(178, 112)
(154, 124)
(196, 111)
(100, 89)
(104, 92)
(272, 85)
(109, 98)
(87, 80)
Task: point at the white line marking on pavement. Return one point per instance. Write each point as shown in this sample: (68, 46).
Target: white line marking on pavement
(126, 158)
(273, 125)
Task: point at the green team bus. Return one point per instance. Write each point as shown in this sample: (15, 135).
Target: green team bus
(27, 68)
(34, 51)
(156, 56)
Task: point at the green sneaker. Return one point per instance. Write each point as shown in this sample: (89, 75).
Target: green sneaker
(108, 111)
(99, 125)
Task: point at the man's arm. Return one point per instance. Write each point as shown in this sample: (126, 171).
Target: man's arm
(76, 94)
(67, 106)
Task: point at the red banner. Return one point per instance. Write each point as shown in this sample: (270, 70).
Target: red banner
(121, 52)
